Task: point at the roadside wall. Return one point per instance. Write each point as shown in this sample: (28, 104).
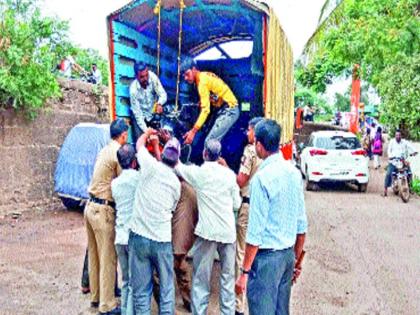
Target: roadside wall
(29, 149)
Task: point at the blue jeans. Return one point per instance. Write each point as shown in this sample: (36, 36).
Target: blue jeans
(145, 257)
(203, 259)
(270, 282)
(126, 292)
(388, 176)
(226, 118)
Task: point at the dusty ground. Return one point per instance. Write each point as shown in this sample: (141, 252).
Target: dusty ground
(363, 257)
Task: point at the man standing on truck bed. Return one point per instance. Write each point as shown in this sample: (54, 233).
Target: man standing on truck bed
(147, 96)
(207, 83)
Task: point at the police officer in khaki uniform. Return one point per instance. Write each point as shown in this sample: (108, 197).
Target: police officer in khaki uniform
(249, 165)
(100, 223)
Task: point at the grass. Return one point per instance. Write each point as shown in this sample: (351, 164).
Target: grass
(415, 186)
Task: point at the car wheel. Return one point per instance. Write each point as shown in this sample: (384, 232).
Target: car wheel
(310, 185)
(362, 188)
(72, 204)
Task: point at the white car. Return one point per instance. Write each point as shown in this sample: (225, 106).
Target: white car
(334, 156)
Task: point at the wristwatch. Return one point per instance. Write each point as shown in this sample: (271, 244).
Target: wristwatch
(245, 272)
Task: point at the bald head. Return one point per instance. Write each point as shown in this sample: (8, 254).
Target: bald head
(212, 150)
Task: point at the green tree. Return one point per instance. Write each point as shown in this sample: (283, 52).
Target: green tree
(30, 46)
(342, 102)
(401, 96)
(379, 35)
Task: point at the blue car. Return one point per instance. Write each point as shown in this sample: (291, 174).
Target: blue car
(76, 160)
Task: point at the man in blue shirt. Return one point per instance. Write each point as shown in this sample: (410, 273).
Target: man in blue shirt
(276, 228)
(123, 191)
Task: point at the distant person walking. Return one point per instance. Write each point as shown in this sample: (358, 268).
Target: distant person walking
(377, 148)
(367, 143)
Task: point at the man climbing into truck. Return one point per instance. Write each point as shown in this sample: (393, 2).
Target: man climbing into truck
(147, 96)
(209, 84)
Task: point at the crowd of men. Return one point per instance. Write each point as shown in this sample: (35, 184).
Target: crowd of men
(148, 211)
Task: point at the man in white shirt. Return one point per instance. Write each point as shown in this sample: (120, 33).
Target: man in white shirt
(147, 96)
(69, 64)
(96, 75)
(397, 148)
(150, 246)
(218, 196)
(123, 192)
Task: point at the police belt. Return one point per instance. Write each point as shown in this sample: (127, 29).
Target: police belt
(102, 201)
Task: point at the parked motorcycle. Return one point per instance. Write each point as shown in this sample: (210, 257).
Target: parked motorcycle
(177, 123)
(401, 178)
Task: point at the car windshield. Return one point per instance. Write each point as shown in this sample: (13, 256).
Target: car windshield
(338, 143)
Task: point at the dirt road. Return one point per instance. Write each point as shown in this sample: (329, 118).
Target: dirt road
(363, 257)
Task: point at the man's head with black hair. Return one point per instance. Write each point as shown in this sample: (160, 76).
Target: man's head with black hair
(397, 135)
(267, 137)
(127, 157)
(189, 69)
(142, 73)
(251, 129)
(119, 131)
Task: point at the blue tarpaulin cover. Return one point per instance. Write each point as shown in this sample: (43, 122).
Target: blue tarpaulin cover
(77, 158)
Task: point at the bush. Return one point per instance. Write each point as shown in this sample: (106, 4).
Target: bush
(30, 46)
(415, 186)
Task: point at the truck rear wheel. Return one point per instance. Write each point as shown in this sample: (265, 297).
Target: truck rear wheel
(72, 204)
(310, 185)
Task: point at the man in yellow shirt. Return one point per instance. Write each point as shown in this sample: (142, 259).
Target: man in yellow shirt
(208, 83)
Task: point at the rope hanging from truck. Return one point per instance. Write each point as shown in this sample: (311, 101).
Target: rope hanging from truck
(181, 11)
(157, 11)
